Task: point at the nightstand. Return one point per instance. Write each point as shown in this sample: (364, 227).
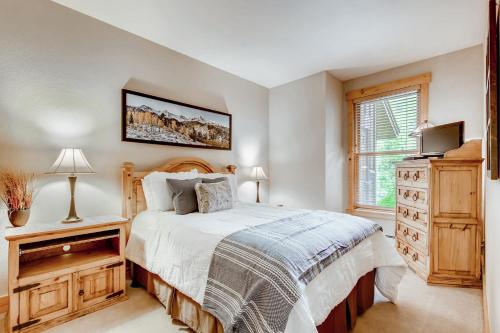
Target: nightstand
(58, 272)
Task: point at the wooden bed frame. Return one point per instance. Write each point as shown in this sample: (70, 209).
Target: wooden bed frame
(134, 201)
(341, 318)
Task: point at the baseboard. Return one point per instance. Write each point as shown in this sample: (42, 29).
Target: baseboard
(486, 314)
(4, 304)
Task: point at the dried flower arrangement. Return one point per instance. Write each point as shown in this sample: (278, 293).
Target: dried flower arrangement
(17, 192)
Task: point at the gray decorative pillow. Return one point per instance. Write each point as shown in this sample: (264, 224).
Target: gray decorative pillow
(184, 195)
(214, 196)
(213, 180)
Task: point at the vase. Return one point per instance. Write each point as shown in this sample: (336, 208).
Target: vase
(19, 217)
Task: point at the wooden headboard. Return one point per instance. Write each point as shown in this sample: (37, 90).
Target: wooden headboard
(134, 201)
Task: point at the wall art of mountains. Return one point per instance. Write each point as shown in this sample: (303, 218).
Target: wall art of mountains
(147, 123)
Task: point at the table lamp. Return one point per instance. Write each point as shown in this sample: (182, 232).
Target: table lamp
(71, 162)
(418, 131)
(258, 174)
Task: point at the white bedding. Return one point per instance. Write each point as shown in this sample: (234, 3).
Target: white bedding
(179, 248)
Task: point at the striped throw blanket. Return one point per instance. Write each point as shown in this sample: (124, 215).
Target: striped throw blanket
(259, 273)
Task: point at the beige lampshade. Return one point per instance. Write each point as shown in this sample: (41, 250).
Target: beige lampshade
(258, 173)
(71, 161)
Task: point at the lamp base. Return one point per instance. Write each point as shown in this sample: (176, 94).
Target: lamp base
(258, 199)
(72, 219)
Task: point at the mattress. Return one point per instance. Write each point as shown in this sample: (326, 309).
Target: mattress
(178, 248)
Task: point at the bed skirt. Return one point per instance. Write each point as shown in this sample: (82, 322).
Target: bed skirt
(182, 308)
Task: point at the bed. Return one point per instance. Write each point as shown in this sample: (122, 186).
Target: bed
(173, 267)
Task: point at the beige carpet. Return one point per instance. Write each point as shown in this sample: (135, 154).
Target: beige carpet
(420, 308)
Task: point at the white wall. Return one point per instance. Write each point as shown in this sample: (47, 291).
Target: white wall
(296, 142)
(61, 78)
(492, 245)
(492, 233)
(336, 180)
(456, 90)
(305, 143)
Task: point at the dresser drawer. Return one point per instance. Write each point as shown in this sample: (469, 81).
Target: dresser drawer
(412, 177)
(412, 216)
(415, 237)
(415, 259)
(413, 197)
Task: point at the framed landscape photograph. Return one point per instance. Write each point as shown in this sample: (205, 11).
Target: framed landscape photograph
(156, 120)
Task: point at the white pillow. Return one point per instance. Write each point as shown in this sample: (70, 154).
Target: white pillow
(233, 181)
(148, 194)
(158, 195)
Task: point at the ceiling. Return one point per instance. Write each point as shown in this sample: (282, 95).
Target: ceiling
(272, 42)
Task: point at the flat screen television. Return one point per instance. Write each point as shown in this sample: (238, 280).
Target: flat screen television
(437, 140)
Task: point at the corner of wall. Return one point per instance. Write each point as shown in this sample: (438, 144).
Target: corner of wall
(335, 145)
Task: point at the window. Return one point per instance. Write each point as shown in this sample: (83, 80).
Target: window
(382, 119)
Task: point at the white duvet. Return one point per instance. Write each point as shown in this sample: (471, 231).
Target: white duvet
(179, 248)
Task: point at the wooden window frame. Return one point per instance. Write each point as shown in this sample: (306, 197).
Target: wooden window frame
(419, 82)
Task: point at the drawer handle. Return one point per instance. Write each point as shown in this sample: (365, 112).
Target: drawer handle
(405, 251)
(406, 194)
(415, 216)
(415, 256)
(81, 292)
(416, 176)
(405, 232)
(415, 196)
(414, 237)
(406, 213)
(406, 175)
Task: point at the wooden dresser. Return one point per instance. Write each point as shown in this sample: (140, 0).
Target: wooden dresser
(58, 272)
(438, 216)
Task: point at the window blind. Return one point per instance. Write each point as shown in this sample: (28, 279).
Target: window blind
(382, 126)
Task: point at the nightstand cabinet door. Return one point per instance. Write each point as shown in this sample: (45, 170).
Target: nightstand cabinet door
(97, 285)
(46, 300)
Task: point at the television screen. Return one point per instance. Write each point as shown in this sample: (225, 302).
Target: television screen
(440, 139)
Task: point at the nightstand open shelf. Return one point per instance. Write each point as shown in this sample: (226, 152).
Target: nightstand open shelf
(65, 262)
(70, 240)
(70, 252)
(59, 272)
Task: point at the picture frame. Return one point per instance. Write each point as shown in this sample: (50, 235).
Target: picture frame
(156, 120)
(492, 74)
